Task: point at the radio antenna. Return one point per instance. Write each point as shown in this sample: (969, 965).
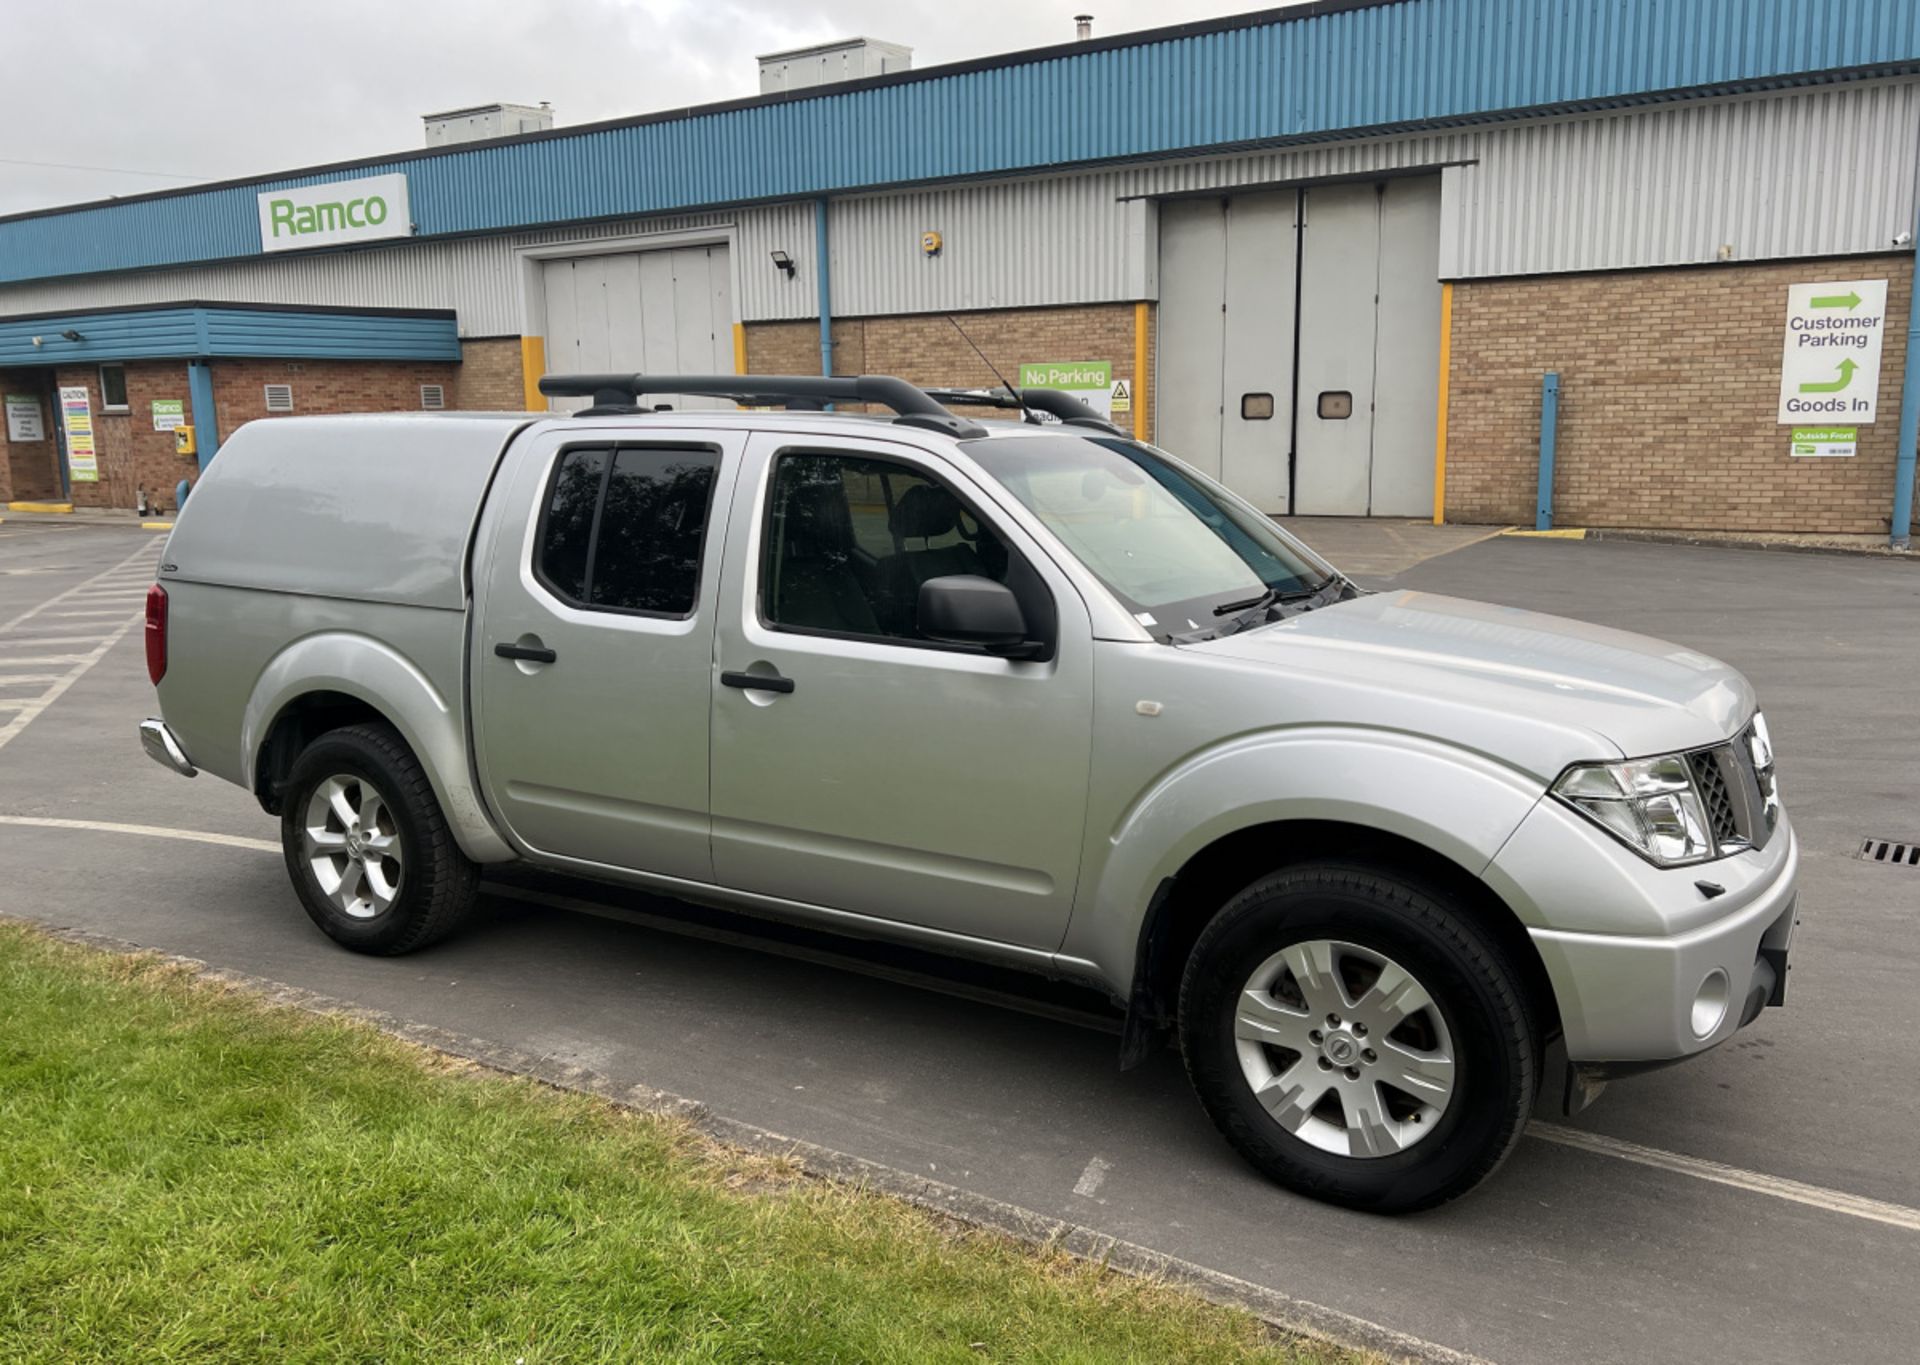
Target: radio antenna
(1027, 413)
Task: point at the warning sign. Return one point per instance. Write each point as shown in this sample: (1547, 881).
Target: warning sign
(1119, 397)
(1091, 381)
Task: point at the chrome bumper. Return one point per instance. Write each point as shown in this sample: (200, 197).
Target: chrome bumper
(164, 749)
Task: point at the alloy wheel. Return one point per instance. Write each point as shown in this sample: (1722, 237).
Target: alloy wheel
(352, 846)
(1344, 1048)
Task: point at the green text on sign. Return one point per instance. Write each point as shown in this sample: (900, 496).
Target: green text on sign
(1067, 374)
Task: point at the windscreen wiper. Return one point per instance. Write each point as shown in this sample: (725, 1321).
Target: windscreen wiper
(1265, 599)
(1273, 605)
(1274, 595)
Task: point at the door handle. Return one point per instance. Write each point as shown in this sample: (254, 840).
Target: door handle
(531, 654)
(757, 682)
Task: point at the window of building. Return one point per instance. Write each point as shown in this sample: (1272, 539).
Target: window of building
(113, 388)
(849, 540)
(623, 529)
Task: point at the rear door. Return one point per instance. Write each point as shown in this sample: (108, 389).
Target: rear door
(875, 771)
(592, 654)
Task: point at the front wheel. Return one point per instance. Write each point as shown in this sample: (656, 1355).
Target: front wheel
(367, 846)
(1358, 1038)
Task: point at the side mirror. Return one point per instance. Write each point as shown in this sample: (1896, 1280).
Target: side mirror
(966, 609)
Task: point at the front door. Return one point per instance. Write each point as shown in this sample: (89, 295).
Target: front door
(869, 769)
(592, 654)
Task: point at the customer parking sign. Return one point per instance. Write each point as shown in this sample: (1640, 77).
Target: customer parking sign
(1830, 368)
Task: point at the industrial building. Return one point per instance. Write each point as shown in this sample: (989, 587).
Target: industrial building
(1332, 253)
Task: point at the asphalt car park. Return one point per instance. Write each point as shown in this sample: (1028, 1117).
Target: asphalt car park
(1761, 1203)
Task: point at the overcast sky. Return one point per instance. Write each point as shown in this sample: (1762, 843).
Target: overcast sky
(150, 95)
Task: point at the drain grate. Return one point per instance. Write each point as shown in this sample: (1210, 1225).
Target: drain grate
(1889, 851)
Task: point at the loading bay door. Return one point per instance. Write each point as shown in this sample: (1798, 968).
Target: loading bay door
(1299, 342)
(646, 312)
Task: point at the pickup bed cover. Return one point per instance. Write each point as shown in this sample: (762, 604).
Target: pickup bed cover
(388, 523)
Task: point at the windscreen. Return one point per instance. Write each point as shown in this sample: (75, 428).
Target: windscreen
(1174, 547)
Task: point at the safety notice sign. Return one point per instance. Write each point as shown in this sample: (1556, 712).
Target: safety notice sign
(1830, 366)
(1091, 381)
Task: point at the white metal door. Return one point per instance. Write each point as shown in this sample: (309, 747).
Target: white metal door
(1339, 278)
(1406, 372)
(650, 312)
(1346, 427)
(1256, 419)
(1192, 336)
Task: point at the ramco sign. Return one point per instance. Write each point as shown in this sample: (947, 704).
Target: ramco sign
(336, 214)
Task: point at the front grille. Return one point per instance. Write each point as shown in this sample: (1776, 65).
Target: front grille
(1736, 792)
(1723, 823)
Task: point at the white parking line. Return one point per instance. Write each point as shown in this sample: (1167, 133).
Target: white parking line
(22, 679)
(1814, 1196)
(44, 641)
(1088, 1184)
(106, 577)
(1714, 1172)
(24, 715)
(145, 831)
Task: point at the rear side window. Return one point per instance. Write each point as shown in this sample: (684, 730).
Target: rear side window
(568, 533)
(623, 529)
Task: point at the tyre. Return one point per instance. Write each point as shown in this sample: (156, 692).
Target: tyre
(367, 847)
(1358, 1038)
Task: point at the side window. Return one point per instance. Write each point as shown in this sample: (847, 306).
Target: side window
(623, 529)
(567, 537)
(849, 540)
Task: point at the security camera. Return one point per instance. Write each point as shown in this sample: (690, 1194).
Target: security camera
(1903, 239)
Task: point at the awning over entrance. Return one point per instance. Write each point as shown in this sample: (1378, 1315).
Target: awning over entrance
(196, 330)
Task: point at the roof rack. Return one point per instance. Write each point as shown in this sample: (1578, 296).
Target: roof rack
(620, 393)
(1054, 402)
(913, 406)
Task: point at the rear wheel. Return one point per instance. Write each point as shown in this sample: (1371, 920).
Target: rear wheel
(1358, 1038)
(367, 846)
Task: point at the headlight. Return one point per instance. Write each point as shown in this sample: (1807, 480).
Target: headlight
(1649, 804)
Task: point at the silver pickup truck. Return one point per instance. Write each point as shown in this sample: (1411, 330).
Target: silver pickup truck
(1394, 868)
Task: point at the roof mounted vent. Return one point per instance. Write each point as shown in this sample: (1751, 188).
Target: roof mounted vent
(484, 121)
(849, 59)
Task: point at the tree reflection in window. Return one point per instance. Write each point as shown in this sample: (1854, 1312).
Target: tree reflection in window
(628, 538)
(651, 529)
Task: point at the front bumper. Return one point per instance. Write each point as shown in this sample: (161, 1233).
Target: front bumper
(1683, 970)
(164, 749)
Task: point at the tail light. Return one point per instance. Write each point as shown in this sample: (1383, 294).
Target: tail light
(156, 633)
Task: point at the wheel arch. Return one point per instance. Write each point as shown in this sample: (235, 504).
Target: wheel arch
(1185, 902)
(322, 682)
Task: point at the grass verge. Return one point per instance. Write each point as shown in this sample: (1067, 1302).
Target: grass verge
(189, 1173)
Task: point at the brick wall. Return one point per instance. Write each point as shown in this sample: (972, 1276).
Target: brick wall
(1669, 387)
(239, 386)
(130, 455)
(924, 348)
(30, 470)
(133, 456)
(489, 376)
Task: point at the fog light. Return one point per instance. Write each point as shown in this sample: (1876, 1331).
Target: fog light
(1710, 1003)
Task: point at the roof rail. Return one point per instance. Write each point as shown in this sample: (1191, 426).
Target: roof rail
(1054, 402)
(621, 393)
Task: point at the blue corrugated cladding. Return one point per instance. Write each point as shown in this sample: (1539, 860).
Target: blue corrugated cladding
(1410, 62)
(159, 333)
